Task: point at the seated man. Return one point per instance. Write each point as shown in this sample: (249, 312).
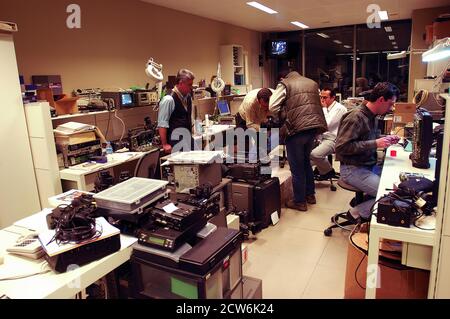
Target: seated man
(253, 111)
(357, 143)
(333, 112)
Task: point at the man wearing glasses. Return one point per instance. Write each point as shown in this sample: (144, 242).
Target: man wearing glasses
(333, 112)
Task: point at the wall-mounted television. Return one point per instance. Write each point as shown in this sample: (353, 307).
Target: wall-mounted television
(277, 48)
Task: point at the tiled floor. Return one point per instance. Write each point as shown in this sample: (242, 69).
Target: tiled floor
(294, 259)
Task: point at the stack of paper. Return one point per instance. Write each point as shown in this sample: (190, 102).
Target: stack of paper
(73, 128)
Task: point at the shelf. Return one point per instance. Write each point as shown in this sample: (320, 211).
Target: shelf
(61, 117)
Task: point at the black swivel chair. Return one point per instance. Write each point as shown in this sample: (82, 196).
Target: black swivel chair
(147, 164)
(342, 220)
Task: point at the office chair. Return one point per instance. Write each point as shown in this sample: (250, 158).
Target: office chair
(334, 178)
(345, 220)
(147, 164)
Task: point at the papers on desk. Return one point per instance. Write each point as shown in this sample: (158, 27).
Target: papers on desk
(53, 248)
(36, 222)
(66, 197)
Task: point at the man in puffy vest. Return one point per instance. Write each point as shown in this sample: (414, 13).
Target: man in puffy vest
(296, 100)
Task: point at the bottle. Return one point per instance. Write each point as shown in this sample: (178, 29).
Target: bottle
(109, 149)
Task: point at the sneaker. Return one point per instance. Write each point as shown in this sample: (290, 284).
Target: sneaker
(311, 199)
(297, 206)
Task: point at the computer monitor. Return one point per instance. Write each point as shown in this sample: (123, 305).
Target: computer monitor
(224, 108)
(127, 99)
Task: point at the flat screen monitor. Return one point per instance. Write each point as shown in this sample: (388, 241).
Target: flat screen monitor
(224, 108)
(278, 48)
(127, 99)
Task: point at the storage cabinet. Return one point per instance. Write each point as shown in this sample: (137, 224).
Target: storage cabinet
(232, 62)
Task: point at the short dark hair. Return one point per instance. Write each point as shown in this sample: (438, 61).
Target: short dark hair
(183, 75)
(332, 91)
(384, 89)
(264, 94)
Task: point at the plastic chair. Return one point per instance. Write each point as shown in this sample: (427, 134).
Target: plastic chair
(341, 220)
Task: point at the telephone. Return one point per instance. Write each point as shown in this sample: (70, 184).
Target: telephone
(28, 246)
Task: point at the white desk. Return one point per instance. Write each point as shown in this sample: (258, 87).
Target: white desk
(390, 175)
(52, 284)
(78, 173)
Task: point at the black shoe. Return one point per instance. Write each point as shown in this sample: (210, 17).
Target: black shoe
(327, 176)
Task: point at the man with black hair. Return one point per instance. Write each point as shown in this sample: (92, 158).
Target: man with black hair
(333, 112)
(357, 143)
(254, 109)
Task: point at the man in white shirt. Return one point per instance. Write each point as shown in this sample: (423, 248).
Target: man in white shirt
(333, 112)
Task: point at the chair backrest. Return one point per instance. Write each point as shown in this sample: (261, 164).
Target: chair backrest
(146, 165)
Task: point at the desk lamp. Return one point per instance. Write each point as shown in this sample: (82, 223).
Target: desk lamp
(217, 85)
(154, 70)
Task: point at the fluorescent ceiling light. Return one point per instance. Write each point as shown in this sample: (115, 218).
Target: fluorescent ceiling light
(323, 35)
(391, 37)
(383, 15)
(441, 50)
(373, 52)
(299, 24)
(347, 46)
(395, 47)
(261, 7)
(394, 43)
(394, 56)
(337, 41)
(388, 29)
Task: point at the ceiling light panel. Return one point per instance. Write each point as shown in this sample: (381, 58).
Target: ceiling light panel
(261, 7)
(391, 37)
(388, 29)
(337, 41)
(299, 24)
(383, 15)
(323, 35)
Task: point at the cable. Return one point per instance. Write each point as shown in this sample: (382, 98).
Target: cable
(123, 125)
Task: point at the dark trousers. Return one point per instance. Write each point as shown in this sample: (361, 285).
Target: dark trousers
(299, 147)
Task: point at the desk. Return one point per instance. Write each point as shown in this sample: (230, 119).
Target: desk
(390, 175)
(82, 176)
(52, 284)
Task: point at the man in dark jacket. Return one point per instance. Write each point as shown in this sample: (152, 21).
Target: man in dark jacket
(296, 100)
(357, 143)
(175, 111)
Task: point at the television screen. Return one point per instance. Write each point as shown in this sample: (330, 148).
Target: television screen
(278, 48)
(126, 99)
(224, 109)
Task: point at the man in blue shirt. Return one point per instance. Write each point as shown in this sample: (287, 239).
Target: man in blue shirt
(175, 112)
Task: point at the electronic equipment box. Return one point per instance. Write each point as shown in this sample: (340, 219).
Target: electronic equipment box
(210, 269)
(422, 139)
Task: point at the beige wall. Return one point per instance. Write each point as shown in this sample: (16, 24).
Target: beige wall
(116, 39)
(420, 18)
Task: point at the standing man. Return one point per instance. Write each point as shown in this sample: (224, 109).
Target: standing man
(333, 112)
(175, 111)
(296, 100)
(357, 143)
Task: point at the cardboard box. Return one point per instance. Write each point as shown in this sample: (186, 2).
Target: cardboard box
(404, 112)
(407, 283)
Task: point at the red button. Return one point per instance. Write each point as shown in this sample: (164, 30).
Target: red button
(393, 153)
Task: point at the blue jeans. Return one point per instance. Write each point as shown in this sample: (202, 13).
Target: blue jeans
(366, 179)
(299, 147)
